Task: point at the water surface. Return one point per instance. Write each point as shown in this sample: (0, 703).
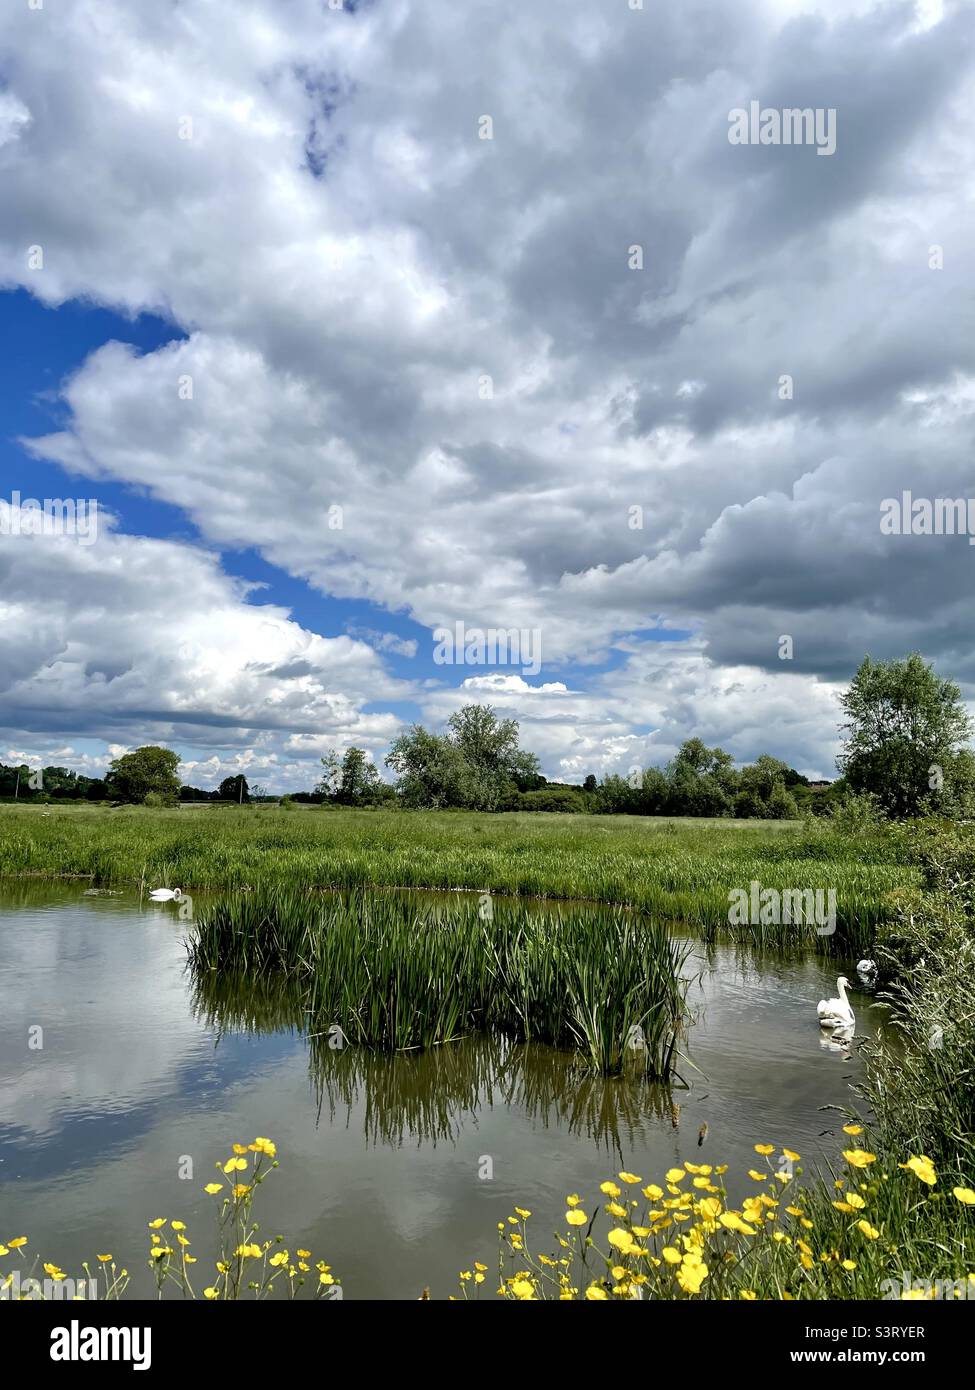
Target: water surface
(142, 1065)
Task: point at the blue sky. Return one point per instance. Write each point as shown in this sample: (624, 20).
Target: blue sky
(52, 344)
(446, 341)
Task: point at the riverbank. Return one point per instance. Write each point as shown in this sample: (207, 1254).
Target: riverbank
(680, 870)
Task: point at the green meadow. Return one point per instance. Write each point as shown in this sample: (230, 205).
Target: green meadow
(292, 922)
(675, 869)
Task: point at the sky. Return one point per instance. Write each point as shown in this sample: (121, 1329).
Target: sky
(355, 321)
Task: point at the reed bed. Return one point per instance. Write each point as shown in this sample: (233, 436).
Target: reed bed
(381, 972)
(677, 870)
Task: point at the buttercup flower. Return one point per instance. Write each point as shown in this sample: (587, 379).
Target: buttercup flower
(922, 1167)
(859, 1158)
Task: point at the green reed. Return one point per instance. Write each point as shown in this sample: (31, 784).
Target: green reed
(394, 976)
(676, 870)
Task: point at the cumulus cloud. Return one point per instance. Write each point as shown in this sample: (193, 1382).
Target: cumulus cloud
(148, 636)
(440, 336)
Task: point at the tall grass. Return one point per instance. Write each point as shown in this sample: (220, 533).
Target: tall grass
(921, 1069)
(394, 976)
(675, 870)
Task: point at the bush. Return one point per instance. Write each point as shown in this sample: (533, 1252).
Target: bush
(922, 1067)
(857, 813)
(550, 799)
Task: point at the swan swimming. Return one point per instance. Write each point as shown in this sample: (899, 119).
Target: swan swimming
(867, 970)
(837, 1013)
(166, 895)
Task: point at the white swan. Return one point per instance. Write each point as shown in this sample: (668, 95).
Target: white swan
(867, 970)
(166, 895)
(836, 1013)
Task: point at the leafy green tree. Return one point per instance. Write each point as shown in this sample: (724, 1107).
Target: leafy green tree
(489, 747)
(616, 797)
(702, 781)
(59, 779)
(432, 770)
(331, 778)
(14, 780)
(905, 728)
(234, 789)
(187, 793)
(477, 764)
(149, 769)
(359, 778)
(652, 792)
(756, 784)
(781, 804)
(353, 781)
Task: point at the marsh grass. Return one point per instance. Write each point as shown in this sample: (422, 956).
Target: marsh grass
(395, 976)
(920, 1079)
(677, 870)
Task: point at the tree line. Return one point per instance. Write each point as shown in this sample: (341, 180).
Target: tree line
(904, 750)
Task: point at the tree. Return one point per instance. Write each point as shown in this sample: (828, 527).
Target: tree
(359, 778)
(757, 783)
(702, 781)
(15, 780)
(781, 804)
(234, 789)
(352, 782)
(432, 770)
(905, 728)
(489, 747)
(328, 783)
(477, 764)
(615, 796)
(149, 769)
(654, 789)
(194, 794)
(589, 785)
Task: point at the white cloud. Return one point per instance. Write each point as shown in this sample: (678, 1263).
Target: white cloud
(152, 637)
(351, 265)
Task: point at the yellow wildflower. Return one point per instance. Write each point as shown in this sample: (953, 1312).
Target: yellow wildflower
(922, 1167)
(859, 1158)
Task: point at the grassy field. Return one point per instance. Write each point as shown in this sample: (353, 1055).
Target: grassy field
(677, 869)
